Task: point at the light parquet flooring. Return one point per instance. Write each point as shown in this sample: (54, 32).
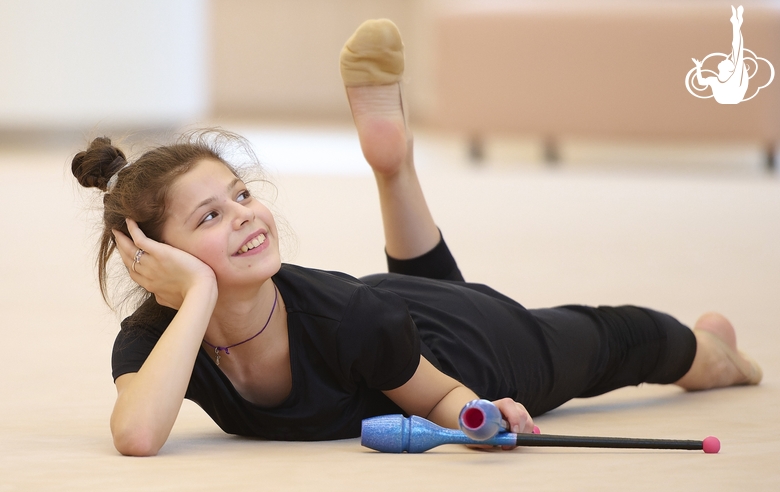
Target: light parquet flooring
(681, 243)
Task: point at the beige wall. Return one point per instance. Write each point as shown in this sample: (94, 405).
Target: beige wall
(279, 59)
(592, 71)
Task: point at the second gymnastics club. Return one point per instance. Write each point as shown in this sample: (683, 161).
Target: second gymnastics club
(396, 434)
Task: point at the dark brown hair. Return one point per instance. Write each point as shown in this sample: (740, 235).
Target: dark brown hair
(139, 189)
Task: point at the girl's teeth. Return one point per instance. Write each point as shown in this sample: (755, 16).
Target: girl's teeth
(253, 243)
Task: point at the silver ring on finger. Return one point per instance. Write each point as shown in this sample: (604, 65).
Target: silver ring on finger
(137, 259)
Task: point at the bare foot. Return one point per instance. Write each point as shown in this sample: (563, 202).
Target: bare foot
(718, 362)
(372, 65)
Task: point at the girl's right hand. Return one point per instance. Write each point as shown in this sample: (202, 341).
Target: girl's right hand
(165, 271)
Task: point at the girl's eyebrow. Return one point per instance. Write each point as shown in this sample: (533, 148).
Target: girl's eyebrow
(213, 198)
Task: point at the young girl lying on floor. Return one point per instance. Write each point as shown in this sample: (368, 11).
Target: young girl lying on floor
(290, 353)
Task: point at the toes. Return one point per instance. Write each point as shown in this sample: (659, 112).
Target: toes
(374, 55)
(755, 373)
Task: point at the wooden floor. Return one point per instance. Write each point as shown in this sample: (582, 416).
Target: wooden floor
(684, 243)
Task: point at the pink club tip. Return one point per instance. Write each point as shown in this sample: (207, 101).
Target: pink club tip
(711, 445)
(537, 431)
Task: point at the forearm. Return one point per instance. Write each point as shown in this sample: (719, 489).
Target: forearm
(447, 411)
(439, 398)
(148, 404)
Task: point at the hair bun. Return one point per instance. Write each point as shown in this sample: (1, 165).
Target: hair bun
(95, 166)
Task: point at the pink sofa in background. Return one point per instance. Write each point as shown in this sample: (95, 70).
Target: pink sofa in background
(607, 72)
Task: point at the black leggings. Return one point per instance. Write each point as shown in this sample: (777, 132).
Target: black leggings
(592, 350)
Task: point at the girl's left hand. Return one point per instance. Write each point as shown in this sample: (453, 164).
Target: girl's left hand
(517, 417)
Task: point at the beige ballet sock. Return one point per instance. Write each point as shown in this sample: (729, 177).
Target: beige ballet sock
(374, 55)
(722, 365)
(749, 369)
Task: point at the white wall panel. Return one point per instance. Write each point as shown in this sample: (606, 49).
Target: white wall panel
(74, 63)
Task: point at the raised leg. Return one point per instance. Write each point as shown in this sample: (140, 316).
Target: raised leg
(718, 363)
(372, 68)
(736, 41)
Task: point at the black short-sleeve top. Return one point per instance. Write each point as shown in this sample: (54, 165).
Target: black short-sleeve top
(351, 339)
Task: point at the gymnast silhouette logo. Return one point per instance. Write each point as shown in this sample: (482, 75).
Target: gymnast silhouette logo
(730, 84)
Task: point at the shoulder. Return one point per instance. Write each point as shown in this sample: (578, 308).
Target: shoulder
(143, 328)
(317, 292)
(364, 334)
(138, 336)
(342, 307)
(149, 318)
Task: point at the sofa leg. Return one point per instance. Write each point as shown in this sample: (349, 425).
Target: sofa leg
(551, 151)
(771, 157)
(476, 149)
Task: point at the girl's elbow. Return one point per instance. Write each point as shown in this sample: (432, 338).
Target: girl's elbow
(135, 446)
(135, 441)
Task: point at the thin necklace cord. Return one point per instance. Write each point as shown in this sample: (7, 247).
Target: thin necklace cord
(218, 349)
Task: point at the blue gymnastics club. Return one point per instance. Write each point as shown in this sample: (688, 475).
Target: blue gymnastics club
(396, 434)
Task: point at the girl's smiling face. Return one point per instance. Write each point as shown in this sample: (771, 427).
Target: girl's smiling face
(212, 216)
